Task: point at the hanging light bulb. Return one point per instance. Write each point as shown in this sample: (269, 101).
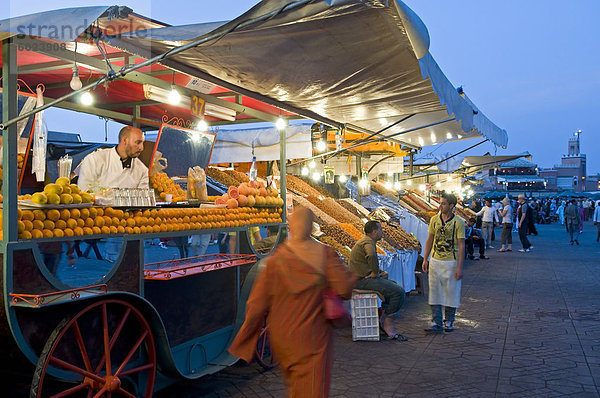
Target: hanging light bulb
(316, 177)
(304, 171)
(321, 146)
(280, 124)
(75, 82)
(388, 185)
(397, 185)
(422, 187)
(343, 178)
(438, 184)
(409, 182)
(174, 96)
(202, 125)
(86, 98)
(312, 164)
(390, 173)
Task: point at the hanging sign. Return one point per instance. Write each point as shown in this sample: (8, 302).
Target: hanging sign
(197, 105)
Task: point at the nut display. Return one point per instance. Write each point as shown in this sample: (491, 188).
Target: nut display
(297, 185)
(399, 238)
(320, 214)
(343, 251)
(331, 207)
(336, 232)
(221, 176)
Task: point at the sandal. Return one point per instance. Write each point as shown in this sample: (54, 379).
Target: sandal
(397, 337)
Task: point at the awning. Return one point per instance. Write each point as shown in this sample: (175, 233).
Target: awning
(519, 179)
(361, 64)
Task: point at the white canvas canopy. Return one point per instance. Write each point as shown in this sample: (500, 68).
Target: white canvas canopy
(355, 63)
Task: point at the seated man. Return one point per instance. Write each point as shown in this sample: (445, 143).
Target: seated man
(266, 244)
(473, 237)
(364, 262)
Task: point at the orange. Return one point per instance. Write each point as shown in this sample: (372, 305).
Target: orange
(60, 224)
(99, 221)
(71, 223)
(53, 214)
(75, 213)
(99, 211)
(78, 231)
(130, 222)
(113, 229)
(123, 222)
(25, 235)
(89, 222)
(105, 230)
(49, 224)
(27, 215)
(47, 233)
(107, 220)
(69, 232)
(118, 213)
(96, 230)
(37, 224)
(81, 223)
(93, 212)
(39, 215)
(58, 233)
(36, 233)
(136, 230)
(128, 230)
(28, 225)
(84, 213)
(87, 231)
(65, 214)
(146, 213)
(108, 211)
(121, 229)
(20, 226)
(163, 227)
(169, 227)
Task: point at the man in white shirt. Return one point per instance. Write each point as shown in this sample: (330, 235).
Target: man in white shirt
(596, 219)
(489, 216)
(117, 167)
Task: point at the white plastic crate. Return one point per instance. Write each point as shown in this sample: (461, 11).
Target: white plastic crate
(365, 318)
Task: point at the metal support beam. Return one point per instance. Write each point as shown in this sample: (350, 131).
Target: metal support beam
(54, 65)
(136, 116)
(9, 143)
(92, 110)
(283, 169)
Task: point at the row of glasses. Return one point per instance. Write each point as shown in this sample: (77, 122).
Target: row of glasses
(132, 197)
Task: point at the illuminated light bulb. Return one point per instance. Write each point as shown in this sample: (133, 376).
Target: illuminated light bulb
(390, 173)
(409, 182)
(202, 125)
(86, 98)
(388, 185)
(316, 177)
(449, 136)
(343, 178)
(363, 183)
(174, 97)
(75, 82)
(397, 185)
(438, 184)
(321, 146)
(304, 171)
(312, 164)
(422, 187)
(280, 124)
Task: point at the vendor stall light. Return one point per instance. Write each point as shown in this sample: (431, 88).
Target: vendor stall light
(388, 185)
(86, 98)
(438, 184)
(304, 171)
(448, 136)
(363, 183)
(421, 142)
(75, 82)
(397, 185)
(202, 125)
(280, 124)
(390, 173)
(422, 187)
(316, 177)
(321, 146)
(312, 164)
(174, 97)
(409, 182)
(343, 178)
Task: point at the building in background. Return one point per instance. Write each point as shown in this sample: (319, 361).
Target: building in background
(571, 174)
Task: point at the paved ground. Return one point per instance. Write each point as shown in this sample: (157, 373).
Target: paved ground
(529, 325)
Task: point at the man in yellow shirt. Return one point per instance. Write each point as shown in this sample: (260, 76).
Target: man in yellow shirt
(446, 244)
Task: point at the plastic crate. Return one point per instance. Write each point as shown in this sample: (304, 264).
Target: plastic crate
(365, 318)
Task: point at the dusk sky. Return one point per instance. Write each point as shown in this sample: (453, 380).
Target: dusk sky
(531, 66)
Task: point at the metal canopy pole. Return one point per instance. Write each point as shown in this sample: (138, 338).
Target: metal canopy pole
(283, 169)
(9, 142)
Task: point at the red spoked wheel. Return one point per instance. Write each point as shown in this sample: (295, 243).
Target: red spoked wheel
(264, 352)
(106, 350)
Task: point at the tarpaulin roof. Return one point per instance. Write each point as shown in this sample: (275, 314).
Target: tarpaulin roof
(363, 64)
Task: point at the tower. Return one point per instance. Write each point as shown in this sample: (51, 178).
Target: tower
(574, 146)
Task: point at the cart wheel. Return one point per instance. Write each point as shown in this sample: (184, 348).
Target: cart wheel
(264, 354)
(107, 348)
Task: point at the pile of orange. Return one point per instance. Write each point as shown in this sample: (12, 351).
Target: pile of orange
(55, 223)
(165, 185)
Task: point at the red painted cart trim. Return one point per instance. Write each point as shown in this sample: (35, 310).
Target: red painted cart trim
(173, 269)
(37, 300)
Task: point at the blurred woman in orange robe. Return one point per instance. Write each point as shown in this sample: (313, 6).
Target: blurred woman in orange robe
(289, 293)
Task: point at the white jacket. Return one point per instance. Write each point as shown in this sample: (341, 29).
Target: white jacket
(103, 169)
(596, 217)
(489, 214)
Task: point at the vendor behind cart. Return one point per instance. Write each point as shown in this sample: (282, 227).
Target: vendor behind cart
(117, 167)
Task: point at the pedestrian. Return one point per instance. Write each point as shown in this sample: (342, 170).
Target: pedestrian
(573, 220)
(474, 238)
(364, 262)
(489, 217)
(596, 219)
(507, 225)
(523, 215)
(533, 217)
(446, 244)
(561, 213)
(288, 295)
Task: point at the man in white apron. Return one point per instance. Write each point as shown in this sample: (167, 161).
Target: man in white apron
(446, 244)
(117, 167)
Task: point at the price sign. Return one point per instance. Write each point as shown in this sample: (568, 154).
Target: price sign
(197, 106)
